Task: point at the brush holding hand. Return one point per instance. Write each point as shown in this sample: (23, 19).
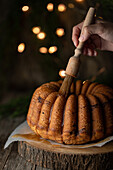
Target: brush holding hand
(95, 36)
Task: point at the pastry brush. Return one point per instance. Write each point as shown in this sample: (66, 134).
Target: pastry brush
(74, 62)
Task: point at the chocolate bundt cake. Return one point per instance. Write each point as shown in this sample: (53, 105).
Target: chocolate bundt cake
(86, 115)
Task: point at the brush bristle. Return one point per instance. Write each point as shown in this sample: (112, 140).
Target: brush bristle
(65, 87)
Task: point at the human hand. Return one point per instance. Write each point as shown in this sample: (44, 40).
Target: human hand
(96, 36)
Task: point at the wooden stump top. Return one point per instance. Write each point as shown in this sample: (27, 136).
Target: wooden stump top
(71, 150)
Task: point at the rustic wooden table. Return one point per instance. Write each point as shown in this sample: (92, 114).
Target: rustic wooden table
(9, 158)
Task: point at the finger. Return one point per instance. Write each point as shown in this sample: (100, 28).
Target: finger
(90, 30)
(75, 40)
(92, 52)
(95, 53)
(89, 52)
(76, 33)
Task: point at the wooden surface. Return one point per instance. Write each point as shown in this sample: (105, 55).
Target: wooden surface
(9, 158)
(56, 157)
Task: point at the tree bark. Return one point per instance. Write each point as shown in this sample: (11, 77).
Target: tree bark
(55, 157)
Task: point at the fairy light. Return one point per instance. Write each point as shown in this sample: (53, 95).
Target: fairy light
(60, 32)
(36, 30)
(61, 8)
(50, 7)
(71, 5)
(79, 0)
(41, 35)
(43, 50)
(52, 49)
(100, 18)
(62, 73)
(25, 8)
(21, 47)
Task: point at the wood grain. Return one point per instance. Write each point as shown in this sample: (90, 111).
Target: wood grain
(9, 158)
(63, 158)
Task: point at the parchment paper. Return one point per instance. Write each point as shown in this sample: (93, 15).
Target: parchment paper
(25, 129)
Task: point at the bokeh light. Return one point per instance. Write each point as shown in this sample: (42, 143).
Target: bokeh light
(100, 17)
(50, 7)
(25, 8)
(60, 32)
(79, 0)
(62, 73)
(52, 49)
(21, 47)
(43, 50)
(61, 8)
(41, 35)
(71, 5)
(36, 30)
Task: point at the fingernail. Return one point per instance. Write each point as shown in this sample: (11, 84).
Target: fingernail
(75, 44)
(81, 38)
(95, 53)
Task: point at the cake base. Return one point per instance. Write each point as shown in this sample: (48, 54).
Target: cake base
(57, 157)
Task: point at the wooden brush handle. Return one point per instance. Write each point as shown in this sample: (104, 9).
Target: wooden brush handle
(74, 62)
(88, 20)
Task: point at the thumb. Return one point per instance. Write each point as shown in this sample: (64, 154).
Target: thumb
(88, 31)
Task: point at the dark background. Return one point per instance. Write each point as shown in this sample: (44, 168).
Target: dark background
(22, 73)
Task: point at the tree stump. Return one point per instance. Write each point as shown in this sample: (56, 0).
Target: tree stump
(60, 158)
